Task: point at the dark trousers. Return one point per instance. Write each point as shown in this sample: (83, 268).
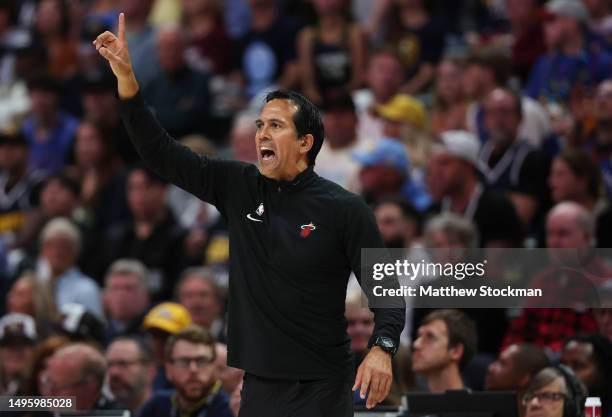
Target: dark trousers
(265, 397)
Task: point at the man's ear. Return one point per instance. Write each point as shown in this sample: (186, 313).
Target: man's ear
(456, 352)
(306, 143)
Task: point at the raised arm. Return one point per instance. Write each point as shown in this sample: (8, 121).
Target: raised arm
(201, 176)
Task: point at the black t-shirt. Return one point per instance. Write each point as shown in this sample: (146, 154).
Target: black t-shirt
(262, 56)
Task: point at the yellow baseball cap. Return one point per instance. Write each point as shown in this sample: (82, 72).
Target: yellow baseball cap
(403, 108)
(169, 317)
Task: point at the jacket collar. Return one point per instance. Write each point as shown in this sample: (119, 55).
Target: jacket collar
(300, 181)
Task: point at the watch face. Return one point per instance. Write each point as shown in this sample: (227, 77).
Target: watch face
(386, 344)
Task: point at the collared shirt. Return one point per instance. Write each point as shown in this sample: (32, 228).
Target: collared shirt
(75, 287)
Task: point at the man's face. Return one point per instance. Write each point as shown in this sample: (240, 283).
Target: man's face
(448, 82)
(59, 252)
(563, 183)
(360, 327)
(146, 198)
(579, 357)
(547, 408)
(520, 12)
(385, 76)
(191, 369)
(558, 29)
(170, 49)
(446, 173)
(124, 297)
(430, 350)
(100, 107)
(44, 103)
(200, 300)
(340, 127)
(563, 232)
(501, 374)
(393, 226)
(63, 377)
(127, 375)
(473, 81)
(380, 180)
(13, 157)
(89, 147)
(501, 117)
(278, 148)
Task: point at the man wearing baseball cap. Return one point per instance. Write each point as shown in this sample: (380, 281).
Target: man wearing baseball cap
(576, 58)
(456, 181)
(17, 339)
(160, 323)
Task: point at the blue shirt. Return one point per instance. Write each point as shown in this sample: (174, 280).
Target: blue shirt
(162, 404)
(49, 154)
(74, 287)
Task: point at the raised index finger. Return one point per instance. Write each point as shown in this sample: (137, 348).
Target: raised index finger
(121, 27)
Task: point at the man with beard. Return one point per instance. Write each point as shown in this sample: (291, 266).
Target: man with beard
(190, 366)
(130, 372)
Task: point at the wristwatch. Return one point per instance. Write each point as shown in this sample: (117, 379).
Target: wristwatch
(385, 344)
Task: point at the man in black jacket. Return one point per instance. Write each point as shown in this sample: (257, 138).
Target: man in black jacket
(295, 238)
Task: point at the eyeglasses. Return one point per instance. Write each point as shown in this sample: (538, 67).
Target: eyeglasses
(185, 363)
(544, 397)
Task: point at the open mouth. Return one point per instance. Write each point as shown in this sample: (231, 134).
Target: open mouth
(267, 154)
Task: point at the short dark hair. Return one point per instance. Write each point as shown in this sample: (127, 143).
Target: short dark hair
(193, 334)
(582, 165)
(530, 359)
(66, 182)
(494, 61)
(151, 176)
(461, 331)
(307, 119)
(145, 351)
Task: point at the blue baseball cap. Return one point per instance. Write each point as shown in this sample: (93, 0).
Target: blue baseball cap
(384, 152)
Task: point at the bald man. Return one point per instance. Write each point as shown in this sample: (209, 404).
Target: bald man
(569, 284)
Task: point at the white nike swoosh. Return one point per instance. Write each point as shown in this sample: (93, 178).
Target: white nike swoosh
(253, 218)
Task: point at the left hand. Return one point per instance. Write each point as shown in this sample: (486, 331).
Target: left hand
(374, 376)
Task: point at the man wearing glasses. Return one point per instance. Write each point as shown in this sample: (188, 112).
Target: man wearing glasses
(130, 372)
(190, 356)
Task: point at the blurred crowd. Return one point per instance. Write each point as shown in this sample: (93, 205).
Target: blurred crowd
(464, 123)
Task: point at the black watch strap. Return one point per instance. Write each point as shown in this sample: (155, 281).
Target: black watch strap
(386, 344)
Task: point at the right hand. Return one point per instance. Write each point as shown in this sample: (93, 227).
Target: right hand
(115, 50)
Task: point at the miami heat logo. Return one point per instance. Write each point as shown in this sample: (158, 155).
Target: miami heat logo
(307, 229)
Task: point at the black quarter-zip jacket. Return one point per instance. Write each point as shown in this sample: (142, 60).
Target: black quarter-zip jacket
(292, 248)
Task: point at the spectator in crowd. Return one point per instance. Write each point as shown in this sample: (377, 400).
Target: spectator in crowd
(384, 78)
(600, 12)
(599, 144)
(514, 166)
(570, 239)
(418, 36)
(100, 108)
(80, 325)
(266, 55)
(230, 377)
(446, 341)
(180, 95)
(527, 35)
(126, 297)
(17, 339)
(200, 295)
(160, 323)
(48, 130)
(455, 180)
(17, 186)
(209, 42)
(29, 296)
(43, 350)
(574, 176)
(241, 137)
(98, 169)
(573, 61)
(590, 357)
(450, 104)
(153, 236)
(386, 172)
(141, 37)
(190, 366)
(514, 369)
(485, 71)
(53, 27)
(335, 160)
(332, 54)
(77, 370)
(554, 392)
(360, 325)
(60, 246)
(398, 222)
(129, 372)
